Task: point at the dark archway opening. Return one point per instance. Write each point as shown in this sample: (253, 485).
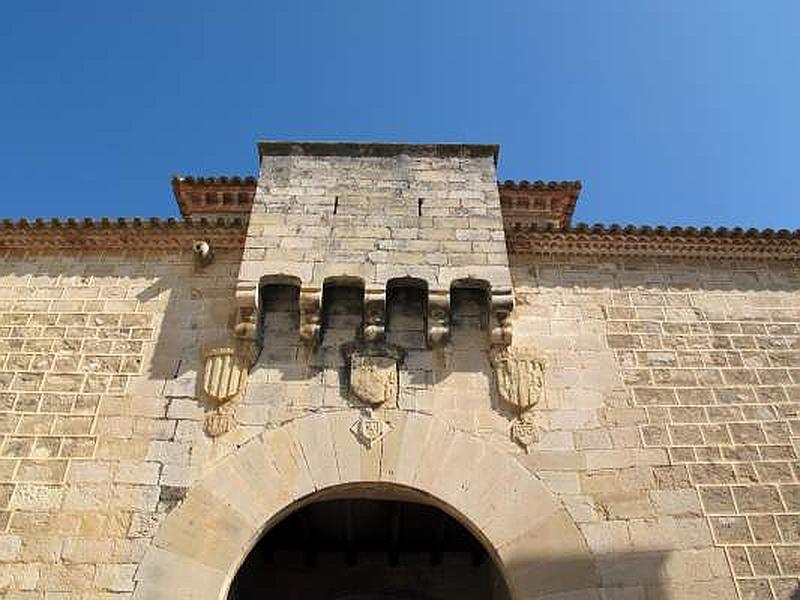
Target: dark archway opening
(367, 549)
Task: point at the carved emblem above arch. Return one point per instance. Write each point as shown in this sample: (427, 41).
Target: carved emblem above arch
(199, 547)
(374, 378)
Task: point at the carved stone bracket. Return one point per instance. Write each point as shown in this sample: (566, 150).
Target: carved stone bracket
(245, 330)
(502, 303)
(438, 318)
(374, 315)
(310, 316)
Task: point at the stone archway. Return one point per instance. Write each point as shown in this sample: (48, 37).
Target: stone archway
(201, 544)
(368, 542)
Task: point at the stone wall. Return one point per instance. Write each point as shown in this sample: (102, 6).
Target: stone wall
(432, 213)
(96, 442)
(671, 416)
(662, 460)
(666, 429)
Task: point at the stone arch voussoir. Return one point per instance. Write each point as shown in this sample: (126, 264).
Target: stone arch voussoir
(202, 542)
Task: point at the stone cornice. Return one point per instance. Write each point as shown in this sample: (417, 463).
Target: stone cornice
(375, 149)
(102, 234)
(649, 242)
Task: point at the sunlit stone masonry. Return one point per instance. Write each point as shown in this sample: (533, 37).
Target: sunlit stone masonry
(374, 372)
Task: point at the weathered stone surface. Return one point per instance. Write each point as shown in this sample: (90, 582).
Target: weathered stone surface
(662, 443)
(373, 379)
(224, 374)
(520, 378)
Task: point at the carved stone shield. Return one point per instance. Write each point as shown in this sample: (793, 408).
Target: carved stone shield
(519, 377)
(524, 431)
(373, 379)
(225, 374)
(217, 423)
(369, 431)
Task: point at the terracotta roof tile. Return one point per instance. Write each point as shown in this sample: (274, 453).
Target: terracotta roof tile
(214, 195)
(644, 241)
(538, 202)
(536, 216)
(134, 232)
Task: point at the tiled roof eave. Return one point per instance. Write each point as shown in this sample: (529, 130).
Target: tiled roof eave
(690, 243)
(135, 233)
(214, 195)
(581, 240)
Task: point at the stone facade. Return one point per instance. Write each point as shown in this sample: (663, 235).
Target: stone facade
(384, 302)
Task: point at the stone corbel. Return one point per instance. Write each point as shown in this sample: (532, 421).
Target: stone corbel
(438, 318)
(245, 330)
(374, 315)
(502, 303)
(310, 316)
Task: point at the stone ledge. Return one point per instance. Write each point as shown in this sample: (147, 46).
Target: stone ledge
(376, 149)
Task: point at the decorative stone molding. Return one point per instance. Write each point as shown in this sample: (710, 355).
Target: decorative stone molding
(121, 234)
(310, 316)
(225, 372)
(519, 377)
(659, 242)
(219, 421)
(438, 318)
(524, 431)
(502, 303)
(374, 315)
(369, 431)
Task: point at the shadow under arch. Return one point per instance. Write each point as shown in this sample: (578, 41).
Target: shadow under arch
(201, 544)
(250, 576)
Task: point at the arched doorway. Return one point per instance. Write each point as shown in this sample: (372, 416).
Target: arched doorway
(368, 549)
(200, 546)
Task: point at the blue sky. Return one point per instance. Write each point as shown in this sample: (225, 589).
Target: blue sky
(670, 112)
